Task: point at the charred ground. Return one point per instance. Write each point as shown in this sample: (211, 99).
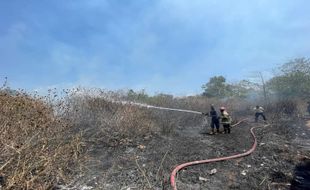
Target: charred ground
(88, 142)
(147, 163)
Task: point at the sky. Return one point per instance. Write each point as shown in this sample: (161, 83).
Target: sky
(162, 46)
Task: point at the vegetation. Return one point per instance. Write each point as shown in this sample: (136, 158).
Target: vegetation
(217, 87)
(43, 140)
(293, 80)
(37, 152)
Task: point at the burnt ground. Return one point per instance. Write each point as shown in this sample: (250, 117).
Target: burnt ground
(146, 162)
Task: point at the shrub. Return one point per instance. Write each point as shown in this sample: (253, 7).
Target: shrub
(282, 108)
(107, 120)
(36, 150)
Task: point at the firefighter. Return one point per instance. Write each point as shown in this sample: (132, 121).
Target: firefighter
(225, 120)
(259, 111)
(215, 123)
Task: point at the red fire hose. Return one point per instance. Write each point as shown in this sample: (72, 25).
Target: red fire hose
(178, 168)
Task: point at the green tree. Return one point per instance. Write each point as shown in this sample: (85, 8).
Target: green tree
(293, 80)
(217, 87)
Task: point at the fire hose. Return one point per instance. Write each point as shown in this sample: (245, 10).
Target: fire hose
(180, 167)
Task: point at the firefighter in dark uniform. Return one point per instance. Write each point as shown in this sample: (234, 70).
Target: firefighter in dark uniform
(215, 123)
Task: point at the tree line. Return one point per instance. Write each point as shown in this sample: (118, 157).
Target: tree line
(291, 80)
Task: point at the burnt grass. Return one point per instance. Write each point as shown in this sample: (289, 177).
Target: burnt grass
(145, 162)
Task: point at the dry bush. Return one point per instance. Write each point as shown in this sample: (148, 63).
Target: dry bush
(301, 107)
(281, 109)
(108, 121)
(36, 152)
(239, 108)
(131, 120)
(43, 139)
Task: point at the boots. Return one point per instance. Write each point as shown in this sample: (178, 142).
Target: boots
(212, 131)
(225, 130)
(217, 130)
(228, 130)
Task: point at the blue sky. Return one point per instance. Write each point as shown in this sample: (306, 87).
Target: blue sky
(170, 46)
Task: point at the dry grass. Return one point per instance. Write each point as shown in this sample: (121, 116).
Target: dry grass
(111, 122)
(42, 141)
(36, 150)
(283, 109)
(41, 150)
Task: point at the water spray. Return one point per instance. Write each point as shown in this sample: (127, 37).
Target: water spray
(155, 107)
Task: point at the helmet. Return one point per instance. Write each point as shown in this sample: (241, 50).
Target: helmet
(222, 108)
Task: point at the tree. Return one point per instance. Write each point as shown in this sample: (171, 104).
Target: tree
(137, 95)
(264, 87)
(217, 87)
(293, 80)
(242, 89)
